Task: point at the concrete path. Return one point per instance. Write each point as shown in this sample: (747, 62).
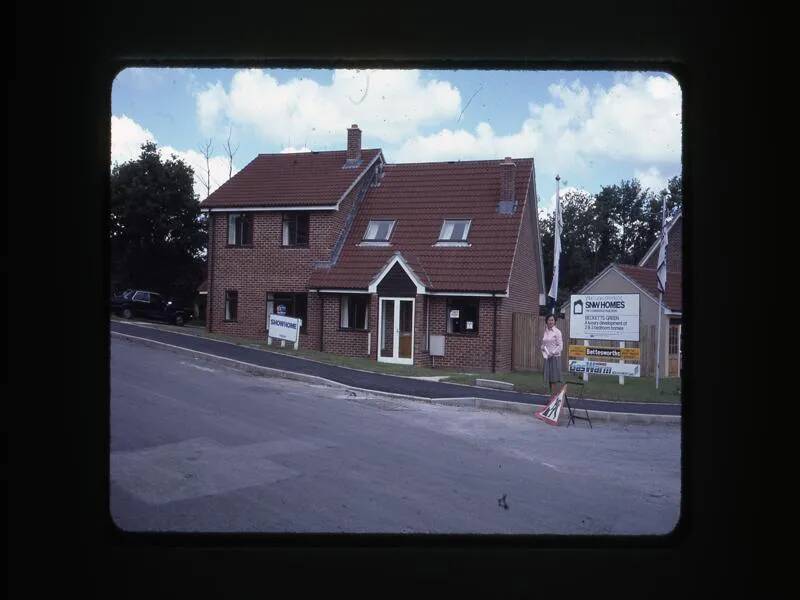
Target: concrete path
(372, 381)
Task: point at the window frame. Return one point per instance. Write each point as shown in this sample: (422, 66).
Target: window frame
(246, 230)
(347, 297)
(231, 295)
(392, 224)
(450, 305)
(272, 302)
(145, 296)
(293, 216)
(463, 239)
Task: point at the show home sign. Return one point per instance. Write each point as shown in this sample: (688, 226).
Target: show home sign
(284, 328)
(604, 317)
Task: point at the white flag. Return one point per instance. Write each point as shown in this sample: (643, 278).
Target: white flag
(559, 224)
(661, 273)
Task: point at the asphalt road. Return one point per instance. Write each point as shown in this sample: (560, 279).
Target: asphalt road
(198, 447)
(370, 380)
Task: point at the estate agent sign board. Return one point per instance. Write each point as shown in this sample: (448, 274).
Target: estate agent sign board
(284, 328)
(602, 353)
(604, 368)
(604, 317)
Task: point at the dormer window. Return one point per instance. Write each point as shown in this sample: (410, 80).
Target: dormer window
(454, 231)
(378, 231)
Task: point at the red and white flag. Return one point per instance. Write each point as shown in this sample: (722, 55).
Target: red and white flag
(661, 272)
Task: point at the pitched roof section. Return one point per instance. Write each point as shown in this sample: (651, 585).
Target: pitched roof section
(291, 180)
(419, 197)
(646, 279)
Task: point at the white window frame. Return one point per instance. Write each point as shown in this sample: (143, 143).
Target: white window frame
(453, 221)
(391, 222)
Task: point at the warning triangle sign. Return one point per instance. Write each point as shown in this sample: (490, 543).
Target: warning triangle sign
(549, 414)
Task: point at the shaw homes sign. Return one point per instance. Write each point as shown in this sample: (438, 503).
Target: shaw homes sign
(604, 317)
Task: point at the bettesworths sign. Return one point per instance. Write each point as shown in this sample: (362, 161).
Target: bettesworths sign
(604, 368)
(284, 328)
(595, 352)
(604, 317)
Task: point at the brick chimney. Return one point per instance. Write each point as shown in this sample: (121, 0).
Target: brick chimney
(508, 175)
(353, 144)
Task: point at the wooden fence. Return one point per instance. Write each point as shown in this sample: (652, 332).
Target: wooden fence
(527, 330)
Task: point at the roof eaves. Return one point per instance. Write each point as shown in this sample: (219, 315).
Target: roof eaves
(361, 175)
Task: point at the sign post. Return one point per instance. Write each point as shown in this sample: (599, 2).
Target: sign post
(286, 329)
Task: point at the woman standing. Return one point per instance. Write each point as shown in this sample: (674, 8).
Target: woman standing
(552, 345)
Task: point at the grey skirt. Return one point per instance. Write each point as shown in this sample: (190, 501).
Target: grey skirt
(552, 369)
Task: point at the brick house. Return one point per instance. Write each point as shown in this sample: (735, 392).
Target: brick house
(377, 258)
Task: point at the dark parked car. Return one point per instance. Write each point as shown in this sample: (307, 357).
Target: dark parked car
(141, 303)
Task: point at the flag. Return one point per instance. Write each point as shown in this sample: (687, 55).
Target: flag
(559, 224)
(661, 272)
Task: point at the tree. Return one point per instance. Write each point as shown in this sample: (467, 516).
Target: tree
(231, 152)
(158, 236)
(617, 225)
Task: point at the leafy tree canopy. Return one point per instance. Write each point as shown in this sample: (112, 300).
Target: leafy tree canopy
(158, 235)
(617, 225)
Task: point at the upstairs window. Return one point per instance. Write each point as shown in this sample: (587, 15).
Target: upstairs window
(454, 231)
(353, 311)
(379, 231)
(240, 229)
(295, 229)
(462, 316)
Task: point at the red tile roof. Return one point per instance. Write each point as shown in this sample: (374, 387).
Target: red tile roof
(646, 279)
(292, 179)
(419, 197)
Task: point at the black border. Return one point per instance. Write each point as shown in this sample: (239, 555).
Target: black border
(67, 56)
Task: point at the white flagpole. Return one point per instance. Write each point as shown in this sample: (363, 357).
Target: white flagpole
(553, 293)
(662, 251)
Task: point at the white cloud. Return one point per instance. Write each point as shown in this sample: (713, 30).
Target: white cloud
(127, 136)
(388, 105)
(291, 149)
(651, 178)
(638, 119)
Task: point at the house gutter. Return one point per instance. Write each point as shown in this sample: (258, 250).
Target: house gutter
(494, 336)
(321, 322)
(210, 307)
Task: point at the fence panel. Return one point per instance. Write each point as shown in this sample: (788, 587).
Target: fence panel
(527, 331)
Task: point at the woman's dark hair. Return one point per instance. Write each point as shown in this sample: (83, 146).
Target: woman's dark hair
(547, 318)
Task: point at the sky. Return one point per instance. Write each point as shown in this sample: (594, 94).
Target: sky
(593, 128)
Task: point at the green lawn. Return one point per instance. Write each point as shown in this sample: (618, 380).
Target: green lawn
(364, 364)
(604, 387)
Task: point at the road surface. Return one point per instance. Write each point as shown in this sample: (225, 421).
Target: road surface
(196, 446)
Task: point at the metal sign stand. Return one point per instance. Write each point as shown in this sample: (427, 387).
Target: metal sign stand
(571, 411)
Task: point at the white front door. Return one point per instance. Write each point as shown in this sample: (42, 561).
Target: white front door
(396, 330)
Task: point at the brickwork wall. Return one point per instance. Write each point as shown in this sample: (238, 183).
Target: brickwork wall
(268, 267)
(347, 342)
(523, 292)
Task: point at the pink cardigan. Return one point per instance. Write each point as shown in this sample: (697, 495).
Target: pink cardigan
(552, 342)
